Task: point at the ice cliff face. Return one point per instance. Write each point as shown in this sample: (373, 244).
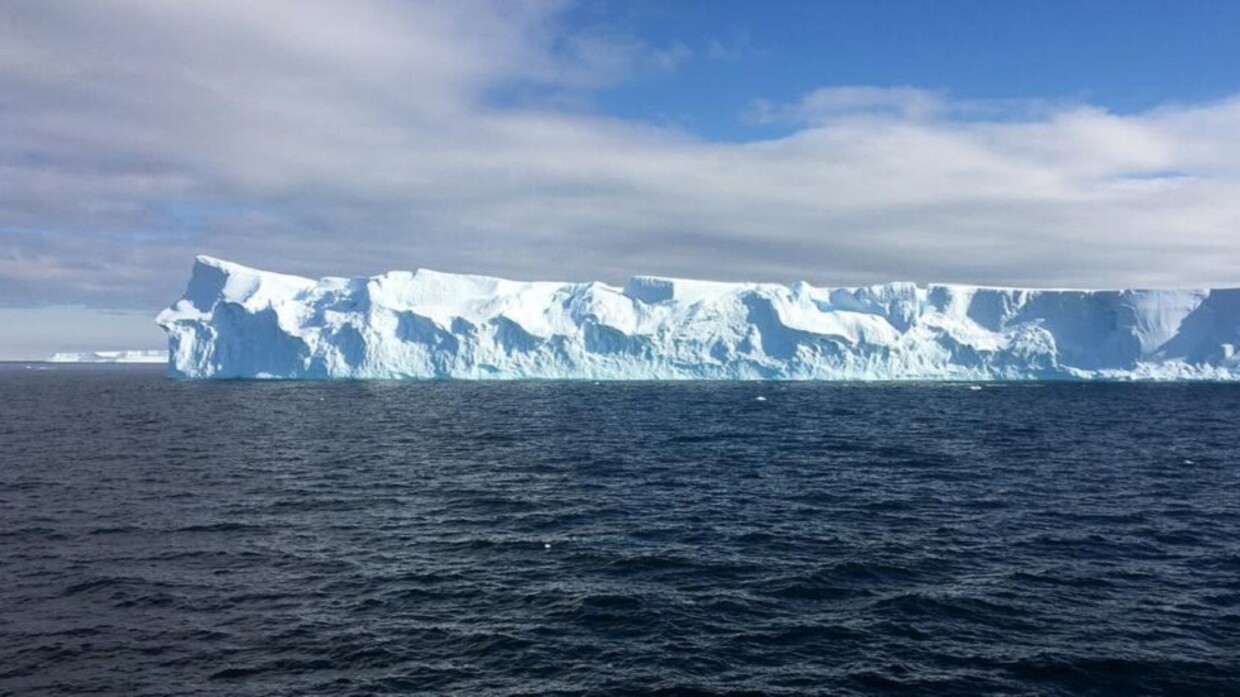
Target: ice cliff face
(237, 322)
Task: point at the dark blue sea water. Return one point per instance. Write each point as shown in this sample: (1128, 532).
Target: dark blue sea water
(250, 538)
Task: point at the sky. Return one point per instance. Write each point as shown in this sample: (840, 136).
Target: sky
(1042, 144)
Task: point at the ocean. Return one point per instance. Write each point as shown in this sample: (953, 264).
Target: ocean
(543, 538)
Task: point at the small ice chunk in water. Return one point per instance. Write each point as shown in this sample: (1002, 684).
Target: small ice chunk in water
(760, 398)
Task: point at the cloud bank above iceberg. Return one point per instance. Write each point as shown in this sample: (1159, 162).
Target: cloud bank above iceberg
(322, 136)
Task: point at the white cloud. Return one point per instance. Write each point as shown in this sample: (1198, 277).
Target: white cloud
(325, 137)
(828, 103)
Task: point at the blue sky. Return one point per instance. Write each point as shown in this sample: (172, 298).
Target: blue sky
(1125, 56)
(1078, 144)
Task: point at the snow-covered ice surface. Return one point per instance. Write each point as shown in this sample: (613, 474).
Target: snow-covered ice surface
(130, 356)
(238, 322)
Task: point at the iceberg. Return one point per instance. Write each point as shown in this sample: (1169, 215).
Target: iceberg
(126, 356)
(238, 322)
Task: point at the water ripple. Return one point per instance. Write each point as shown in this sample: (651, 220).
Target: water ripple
(248, 538)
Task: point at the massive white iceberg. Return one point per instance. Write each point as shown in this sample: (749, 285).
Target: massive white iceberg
(238, 322)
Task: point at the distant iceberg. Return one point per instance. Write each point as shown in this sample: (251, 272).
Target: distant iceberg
(238, 322)
(132, 356)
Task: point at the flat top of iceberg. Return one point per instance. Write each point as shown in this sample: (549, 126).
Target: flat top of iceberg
(688, 288)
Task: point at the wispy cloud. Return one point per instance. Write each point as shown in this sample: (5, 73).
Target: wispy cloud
(828, 103)
(324, 137)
